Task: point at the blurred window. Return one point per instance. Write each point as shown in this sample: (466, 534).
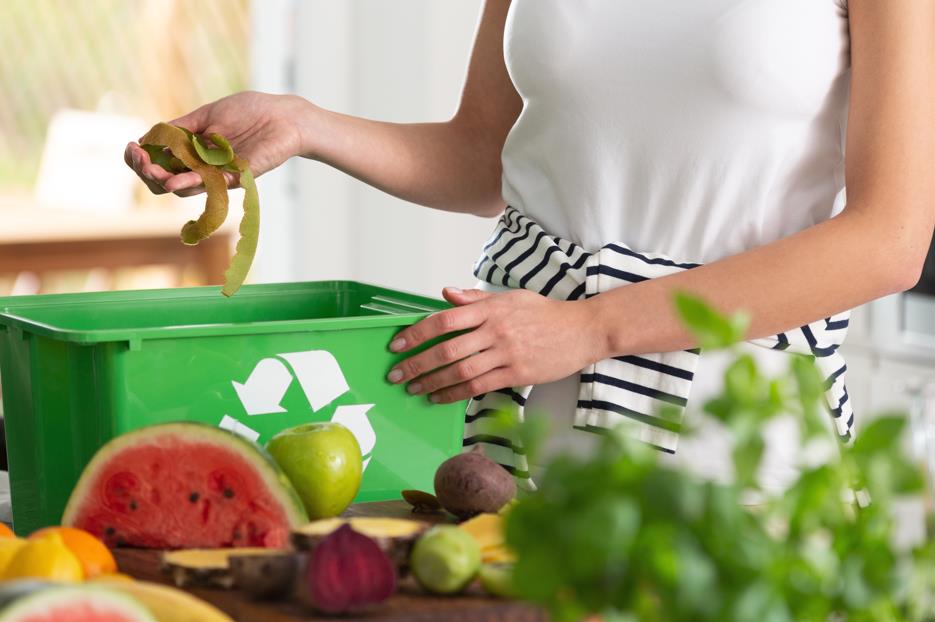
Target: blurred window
(154, 59)
(78, 79)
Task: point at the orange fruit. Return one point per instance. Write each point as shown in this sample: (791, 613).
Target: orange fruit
(96, 559)
(6, 532)
(116, 576)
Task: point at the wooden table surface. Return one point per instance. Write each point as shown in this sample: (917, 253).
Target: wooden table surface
(408, 604)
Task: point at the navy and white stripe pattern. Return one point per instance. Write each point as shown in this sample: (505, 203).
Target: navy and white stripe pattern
(629, 390)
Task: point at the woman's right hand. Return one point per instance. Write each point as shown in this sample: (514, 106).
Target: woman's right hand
(262, 128)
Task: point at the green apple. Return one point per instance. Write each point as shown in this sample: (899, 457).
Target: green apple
(323, 462)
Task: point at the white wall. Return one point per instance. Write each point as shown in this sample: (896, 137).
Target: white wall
(397, 61)
(271, 70)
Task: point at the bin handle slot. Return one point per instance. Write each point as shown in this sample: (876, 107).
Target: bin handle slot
(394, 306)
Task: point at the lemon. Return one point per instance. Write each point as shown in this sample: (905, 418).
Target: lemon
(44, 558)
(8, 548)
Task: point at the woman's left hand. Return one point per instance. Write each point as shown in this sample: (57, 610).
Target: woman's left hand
(514, 338)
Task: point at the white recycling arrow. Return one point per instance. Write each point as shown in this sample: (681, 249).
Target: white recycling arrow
(322, 381)
(231, 424)
(265, 388)
(354, 418)
(319, 374)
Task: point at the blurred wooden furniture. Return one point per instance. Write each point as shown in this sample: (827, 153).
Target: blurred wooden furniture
(44, 240)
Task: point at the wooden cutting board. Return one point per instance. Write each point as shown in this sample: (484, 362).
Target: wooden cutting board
(409, 603)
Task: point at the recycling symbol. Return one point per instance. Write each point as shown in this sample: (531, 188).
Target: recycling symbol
(321, 379)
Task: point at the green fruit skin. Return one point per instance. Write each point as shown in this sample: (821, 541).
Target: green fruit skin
(445, 559)
(497, 580)
(324, 464)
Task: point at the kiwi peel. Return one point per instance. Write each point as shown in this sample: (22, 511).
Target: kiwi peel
(422, 502)
(176, 149)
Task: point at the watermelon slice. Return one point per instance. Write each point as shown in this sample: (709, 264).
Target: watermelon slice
(184, 485)
(75, 604)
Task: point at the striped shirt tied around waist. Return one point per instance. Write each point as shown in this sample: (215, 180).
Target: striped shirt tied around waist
(624, 390)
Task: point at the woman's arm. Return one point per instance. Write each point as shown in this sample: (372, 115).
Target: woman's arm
(452, 165)
(875, 247)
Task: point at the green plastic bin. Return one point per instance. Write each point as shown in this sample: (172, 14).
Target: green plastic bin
(79, 369)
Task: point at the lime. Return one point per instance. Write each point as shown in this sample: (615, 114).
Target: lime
(497, 579)
(445, 559)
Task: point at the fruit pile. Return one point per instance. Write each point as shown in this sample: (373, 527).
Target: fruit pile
(54, 553)
(347, 565)
(471, 486)
(233, 515)
(65, 573)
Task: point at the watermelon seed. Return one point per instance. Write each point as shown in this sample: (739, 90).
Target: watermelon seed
(133, 505)
(228, 493)
(193, 498)
(121, 542)
(109, 532)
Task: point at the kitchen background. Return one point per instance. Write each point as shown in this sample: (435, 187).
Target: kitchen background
(75, 219)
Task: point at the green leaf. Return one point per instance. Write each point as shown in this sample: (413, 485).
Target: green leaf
(742, 382)
(621, 532)
(697, 578)
(712, 329)
(810, 387)
(882, 434)
(747, 455)
(530, 433)
(720, 407)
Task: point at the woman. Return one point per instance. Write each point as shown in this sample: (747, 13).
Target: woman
(707, 135)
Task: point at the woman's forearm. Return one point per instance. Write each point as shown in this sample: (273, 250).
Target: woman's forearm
(446, 165)
(825, 269)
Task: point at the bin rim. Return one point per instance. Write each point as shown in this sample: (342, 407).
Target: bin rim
(414, 307)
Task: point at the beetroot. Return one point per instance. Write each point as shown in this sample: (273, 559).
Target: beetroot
(349, 572)
(471, 483)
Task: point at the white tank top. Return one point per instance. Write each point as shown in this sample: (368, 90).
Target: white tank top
(694, 128)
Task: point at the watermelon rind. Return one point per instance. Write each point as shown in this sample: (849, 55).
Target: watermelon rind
(11, 591)
(41, 602)
(276, 482)
(167, 603)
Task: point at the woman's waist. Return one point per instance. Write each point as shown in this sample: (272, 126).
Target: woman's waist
(700, 225)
